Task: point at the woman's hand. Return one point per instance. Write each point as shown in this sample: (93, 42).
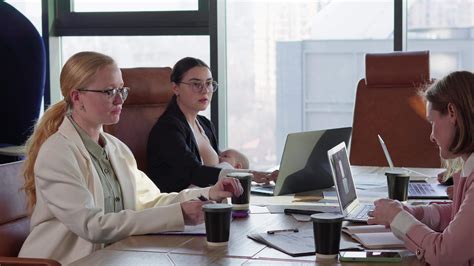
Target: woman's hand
(224, 188)
(192, 211)
(384, 212)
(441, 177)
(264, 177)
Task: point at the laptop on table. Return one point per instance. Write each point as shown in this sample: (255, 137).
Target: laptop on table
(304, 164)
(417, 189)
(349, 204)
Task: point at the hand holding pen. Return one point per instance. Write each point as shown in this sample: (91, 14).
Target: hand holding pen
(192, 210)
(225, 188)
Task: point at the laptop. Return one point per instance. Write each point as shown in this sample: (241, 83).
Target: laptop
(349, 204)
(417, 189)
(304, 164)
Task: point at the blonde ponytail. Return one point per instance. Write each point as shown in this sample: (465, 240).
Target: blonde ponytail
(46, 126)
(79, 71)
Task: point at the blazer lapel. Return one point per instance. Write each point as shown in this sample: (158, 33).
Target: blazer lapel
(92, 178)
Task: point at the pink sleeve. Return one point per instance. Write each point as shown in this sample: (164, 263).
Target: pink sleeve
(416, 211)
(453, 246)
(435, 216)
(444, 211)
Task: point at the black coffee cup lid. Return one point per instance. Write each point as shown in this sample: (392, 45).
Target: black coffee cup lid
(397, 172)
(239, 174)
(327, 217)
(217, 207)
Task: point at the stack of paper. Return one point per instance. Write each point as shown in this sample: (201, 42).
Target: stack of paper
(292, 243)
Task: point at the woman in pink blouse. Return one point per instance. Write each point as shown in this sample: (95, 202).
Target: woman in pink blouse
(442, 234)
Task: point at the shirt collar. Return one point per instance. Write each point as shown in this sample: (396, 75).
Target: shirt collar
(92, 147)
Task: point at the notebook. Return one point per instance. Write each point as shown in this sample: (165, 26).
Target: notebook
(373, 236)
(349, 204)
(304, 164)
(418, 189)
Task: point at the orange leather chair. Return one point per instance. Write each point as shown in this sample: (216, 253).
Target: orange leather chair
(14, 219)
(150, 93)
(387, 103)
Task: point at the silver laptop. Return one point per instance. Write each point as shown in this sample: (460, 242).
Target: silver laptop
(304, 164)
(349, 204)
(417, 189)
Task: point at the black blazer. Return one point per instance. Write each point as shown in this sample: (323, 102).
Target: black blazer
(173, 157)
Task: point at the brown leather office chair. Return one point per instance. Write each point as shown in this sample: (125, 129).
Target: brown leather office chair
(150, 93)
(14, 219)
(387, 104)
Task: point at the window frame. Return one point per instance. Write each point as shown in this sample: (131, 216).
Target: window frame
(204, 21)
(69, 23)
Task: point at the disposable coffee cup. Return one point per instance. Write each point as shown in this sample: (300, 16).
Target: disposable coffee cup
(327, 234)
(397, 183)
(241, 203)
(217, 220)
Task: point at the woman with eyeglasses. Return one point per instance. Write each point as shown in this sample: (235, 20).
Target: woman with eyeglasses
(83, 185)
(182, 149)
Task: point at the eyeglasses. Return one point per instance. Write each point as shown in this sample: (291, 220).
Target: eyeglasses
(198, 87)
(111, 93)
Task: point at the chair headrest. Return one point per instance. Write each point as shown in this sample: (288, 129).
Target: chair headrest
(397, 68)
(148, 85)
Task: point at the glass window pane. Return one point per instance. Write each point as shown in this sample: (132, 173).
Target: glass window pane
(132, 6)
(303, 60)
(30, 9)
(446, 29)
(141, 51)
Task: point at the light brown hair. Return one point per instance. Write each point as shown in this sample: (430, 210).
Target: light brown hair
(457, 89)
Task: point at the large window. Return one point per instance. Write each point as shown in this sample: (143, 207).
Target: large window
(294, 66)
(446, 29)
(291, 65)
(141, 51)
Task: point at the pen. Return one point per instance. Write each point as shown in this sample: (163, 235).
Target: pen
(271, 232)
(299, 211)
(202, 198)
(415, 172)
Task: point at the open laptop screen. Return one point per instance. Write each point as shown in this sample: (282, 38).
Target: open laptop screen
(304, 164)
(342, 174)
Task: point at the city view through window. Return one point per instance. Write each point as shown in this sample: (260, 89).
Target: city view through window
(291, 65)
(294, 65)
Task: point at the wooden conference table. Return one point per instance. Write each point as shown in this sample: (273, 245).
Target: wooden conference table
(193, 250)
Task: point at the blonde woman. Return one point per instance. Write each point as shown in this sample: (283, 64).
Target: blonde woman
(83, 184)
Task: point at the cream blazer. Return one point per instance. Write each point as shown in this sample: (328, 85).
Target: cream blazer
(68, 221)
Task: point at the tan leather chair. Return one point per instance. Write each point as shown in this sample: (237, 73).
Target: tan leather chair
(387, 104)
(14, 219)
(150, 93)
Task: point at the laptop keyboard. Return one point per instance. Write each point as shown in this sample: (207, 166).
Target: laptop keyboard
(362, 213)
(420, 189)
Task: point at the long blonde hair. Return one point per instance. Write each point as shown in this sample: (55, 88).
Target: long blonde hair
(78, 72)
